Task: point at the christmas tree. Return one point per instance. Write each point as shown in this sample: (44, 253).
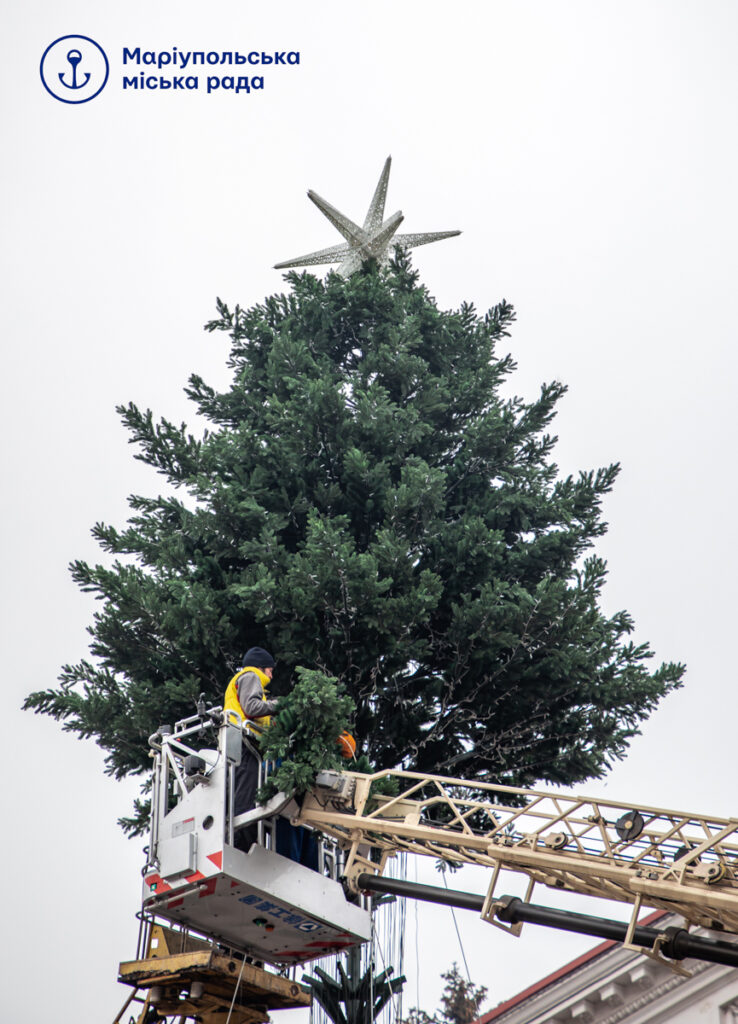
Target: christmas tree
(368, 502)
(461, 1002)
(371, 504)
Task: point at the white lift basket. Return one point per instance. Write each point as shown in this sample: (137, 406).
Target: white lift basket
(279, 911)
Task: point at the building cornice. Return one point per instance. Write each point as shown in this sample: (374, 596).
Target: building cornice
(612, 984)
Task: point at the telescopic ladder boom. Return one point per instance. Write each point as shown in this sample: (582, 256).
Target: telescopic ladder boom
(263, 905)
(633, 853)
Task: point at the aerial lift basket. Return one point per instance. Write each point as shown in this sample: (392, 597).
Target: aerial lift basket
(280, 911)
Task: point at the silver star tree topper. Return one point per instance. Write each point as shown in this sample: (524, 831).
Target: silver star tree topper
(374, 240)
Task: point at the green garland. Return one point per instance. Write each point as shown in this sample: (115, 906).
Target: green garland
(303, 733)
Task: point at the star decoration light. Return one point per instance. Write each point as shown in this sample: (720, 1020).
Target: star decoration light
(374, 240)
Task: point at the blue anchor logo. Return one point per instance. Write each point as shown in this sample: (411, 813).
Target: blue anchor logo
(74, 69)
(74, 57)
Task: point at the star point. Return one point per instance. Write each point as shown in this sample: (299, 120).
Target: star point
(375, 239)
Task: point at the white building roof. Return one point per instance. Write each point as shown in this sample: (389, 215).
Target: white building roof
(611, 984)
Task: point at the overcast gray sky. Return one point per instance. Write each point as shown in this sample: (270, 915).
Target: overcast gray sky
(587, 151)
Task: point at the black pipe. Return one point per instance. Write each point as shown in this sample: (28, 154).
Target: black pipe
(679, 942)
(416, 891)
(512, 910)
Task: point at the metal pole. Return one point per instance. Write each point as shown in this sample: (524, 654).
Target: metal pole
(416, 891)
(678, 945)
(229, 803)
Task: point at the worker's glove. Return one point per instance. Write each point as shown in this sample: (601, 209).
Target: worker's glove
(288, 720)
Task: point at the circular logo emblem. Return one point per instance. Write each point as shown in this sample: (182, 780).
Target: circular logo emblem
(74, 69)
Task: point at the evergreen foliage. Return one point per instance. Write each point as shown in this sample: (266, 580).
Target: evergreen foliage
(353, 996)
(461, 1002)
(367, 502)
(302, 736)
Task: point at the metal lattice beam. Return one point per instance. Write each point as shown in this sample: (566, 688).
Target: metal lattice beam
(637, 854)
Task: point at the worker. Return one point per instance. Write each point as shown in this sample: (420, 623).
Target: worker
(246, 696)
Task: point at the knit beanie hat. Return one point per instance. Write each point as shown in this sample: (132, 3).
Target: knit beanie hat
(257, 657)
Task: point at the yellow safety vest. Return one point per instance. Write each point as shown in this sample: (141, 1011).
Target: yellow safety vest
(231, 702)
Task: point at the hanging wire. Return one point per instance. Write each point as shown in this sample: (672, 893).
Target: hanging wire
(328, 964)
(387, 944)
(456, 926)
(388, 938)
(391, 1005)
(400, 931)
(372, 961)
(235, 991)
(417, 950)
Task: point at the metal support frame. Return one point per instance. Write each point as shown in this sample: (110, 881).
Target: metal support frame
(490, 905)
(676, 943)
(645, 856)
(169, 747)
(660, 858)
(189, 979)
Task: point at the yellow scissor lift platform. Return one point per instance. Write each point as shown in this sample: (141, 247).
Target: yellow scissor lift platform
(187, 977)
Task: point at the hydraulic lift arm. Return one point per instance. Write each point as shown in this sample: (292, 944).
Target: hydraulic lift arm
(675, 943)
(646, 856)
(261, 905)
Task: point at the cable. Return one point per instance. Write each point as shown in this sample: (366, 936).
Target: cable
(389, 976)
(235, 991)
(458, 933)
(401, 906)
(385, 938)
(372, 962)
(417, 951)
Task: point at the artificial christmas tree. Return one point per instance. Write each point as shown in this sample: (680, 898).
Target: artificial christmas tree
(368, 503)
